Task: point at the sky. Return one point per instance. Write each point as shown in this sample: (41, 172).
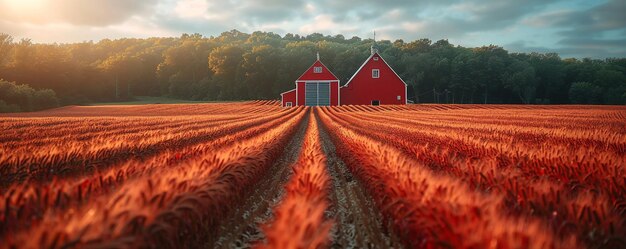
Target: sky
(572, 28)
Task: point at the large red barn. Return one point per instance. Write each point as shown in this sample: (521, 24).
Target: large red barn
(317, 86)
(374, 83)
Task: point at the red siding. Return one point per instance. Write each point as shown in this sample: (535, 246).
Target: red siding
(309, 74)
(289, 96)
(334, 93)
(345, 97)
(363, 89)
(300, 90)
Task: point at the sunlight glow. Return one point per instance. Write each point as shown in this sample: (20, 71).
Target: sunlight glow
(25, 5)
(191, 8)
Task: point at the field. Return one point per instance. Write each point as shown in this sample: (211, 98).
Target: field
(252, 174)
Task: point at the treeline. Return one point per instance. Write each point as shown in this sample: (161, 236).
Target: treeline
(23, 98)
(240, 66)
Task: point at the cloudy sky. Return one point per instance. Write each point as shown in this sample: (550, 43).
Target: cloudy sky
(572, 28)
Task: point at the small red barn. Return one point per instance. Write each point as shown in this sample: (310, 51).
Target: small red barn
(317, 86)
(375, 83)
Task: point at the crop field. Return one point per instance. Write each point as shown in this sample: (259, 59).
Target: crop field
(253, 174)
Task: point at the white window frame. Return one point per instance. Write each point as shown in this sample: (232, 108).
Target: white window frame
(399, 98)
(375, 73)
(288, 104)
(317, 69)
(376, 58)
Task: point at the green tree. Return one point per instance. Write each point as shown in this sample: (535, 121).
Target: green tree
(550, 72)
(461, 83)
(613, 83)
(124, 69)
(6, 45)
(261, 67)
(225, 63)
(584, 93)
(237, 65)
(183, 66)
(4, 107)
(15, 98)
(44, 99)
(520, 78)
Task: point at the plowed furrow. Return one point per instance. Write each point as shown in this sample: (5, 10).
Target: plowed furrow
(359, 224)
(241, 227)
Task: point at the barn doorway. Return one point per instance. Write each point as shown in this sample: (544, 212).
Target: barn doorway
(375, 102)
(317, 94)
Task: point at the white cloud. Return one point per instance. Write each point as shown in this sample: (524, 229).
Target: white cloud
(469, 23)
(413, 26)
(310, 8)
(321, 23)
(191, 9)
(76, 12)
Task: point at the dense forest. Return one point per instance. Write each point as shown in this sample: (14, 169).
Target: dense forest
(261, 65)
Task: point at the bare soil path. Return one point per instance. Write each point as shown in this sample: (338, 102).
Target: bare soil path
(359, 224)
(241, 229)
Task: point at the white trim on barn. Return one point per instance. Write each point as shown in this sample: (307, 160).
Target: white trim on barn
(331, 72)
(338, 94)
(394, 71)
(405, 96)
(367, 60)
(282, 97)
(317, 80)
(287, 91)
(358, 70)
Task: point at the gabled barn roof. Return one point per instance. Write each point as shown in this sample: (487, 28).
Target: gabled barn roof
(288, 91)
(367, 61)
(309, 74)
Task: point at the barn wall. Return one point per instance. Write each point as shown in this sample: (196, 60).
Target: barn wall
(334, 93)
(362, 89)
(300, 92)
(289, 97)
(345, 96)
(309, 74)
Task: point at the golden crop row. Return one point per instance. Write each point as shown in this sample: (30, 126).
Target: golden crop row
(140, 201)
(299, 220)
(570, 184)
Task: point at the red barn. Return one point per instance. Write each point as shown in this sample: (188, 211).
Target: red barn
(375, 83)
(317, 86)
